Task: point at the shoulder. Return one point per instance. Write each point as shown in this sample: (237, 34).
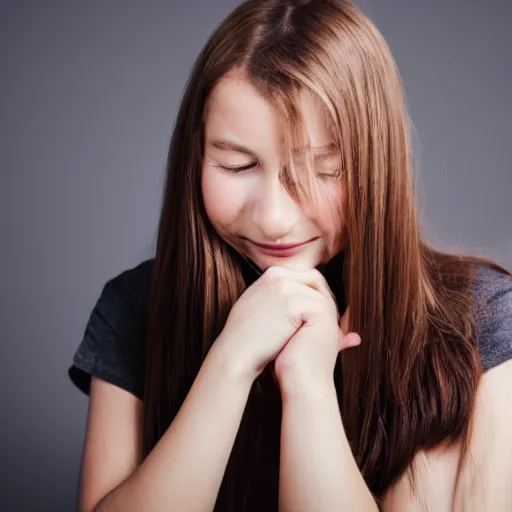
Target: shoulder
(112, 347)
(486, 472)
(124, 298)
(493, 292)
(131, 286)
(441, 478)
(490, 449)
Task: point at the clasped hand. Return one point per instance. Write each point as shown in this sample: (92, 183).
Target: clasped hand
(290, 317)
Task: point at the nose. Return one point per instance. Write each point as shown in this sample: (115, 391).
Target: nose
(274, 213)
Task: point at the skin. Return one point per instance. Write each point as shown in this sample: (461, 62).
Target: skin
(316, 461)
(317, 470)
(253, 206)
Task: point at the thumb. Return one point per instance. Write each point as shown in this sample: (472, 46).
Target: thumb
(352, 339)
(347, 339)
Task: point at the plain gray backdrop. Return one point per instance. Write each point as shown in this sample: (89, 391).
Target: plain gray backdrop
(89, 93)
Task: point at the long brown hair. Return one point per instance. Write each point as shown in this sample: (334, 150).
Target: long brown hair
(412, 382)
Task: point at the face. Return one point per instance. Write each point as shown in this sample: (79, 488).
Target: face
(243, 195)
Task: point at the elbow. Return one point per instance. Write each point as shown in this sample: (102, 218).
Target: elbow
(94, 505)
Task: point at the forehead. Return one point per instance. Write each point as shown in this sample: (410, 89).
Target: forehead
(237, 111)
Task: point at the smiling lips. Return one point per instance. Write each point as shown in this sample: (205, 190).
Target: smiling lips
(281, 250)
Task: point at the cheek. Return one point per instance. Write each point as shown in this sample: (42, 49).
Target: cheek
(223, 201)
(329, 210)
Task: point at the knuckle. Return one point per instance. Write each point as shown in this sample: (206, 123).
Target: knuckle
(316, 273)
(317, 308)
(295, 308)
(282, 286)
(272, 273)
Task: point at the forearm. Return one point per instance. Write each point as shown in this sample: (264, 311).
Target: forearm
(318, 470)
(184, 471)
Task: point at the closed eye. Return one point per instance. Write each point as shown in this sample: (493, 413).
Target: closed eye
(325, 175)
(333, 174)
(238, 169)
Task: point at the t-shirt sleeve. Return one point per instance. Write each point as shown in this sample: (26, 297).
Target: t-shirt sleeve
(112, 348)
(494, 317)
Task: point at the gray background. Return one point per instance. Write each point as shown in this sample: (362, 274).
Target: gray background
(89, 93)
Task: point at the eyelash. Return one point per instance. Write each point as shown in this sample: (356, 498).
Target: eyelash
(243, 168)
(248, 167)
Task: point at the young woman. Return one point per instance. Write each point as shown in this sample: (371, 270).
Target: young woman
(217, 372)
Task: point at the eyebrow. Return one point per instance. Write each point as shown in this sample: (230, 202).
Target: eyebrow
(229, 145)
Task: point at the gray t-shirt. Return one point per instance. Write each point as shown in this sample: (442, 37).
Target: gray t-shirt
(112, 348)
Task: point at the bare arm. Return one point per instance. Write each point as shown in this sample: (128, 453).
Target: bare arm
(185, 469)
(318, 470)
(484, 479)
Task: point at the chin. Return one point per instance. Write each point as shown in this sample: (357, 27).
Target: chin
(290, 263)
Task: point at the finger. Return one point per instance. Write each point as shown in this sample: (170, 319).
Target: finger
(352, 339)
(347, 338)
(312, 278)
(306, 304)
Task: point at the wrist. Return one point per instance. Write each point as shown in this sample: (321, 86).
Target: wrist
(295, 386)
(229, 365)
